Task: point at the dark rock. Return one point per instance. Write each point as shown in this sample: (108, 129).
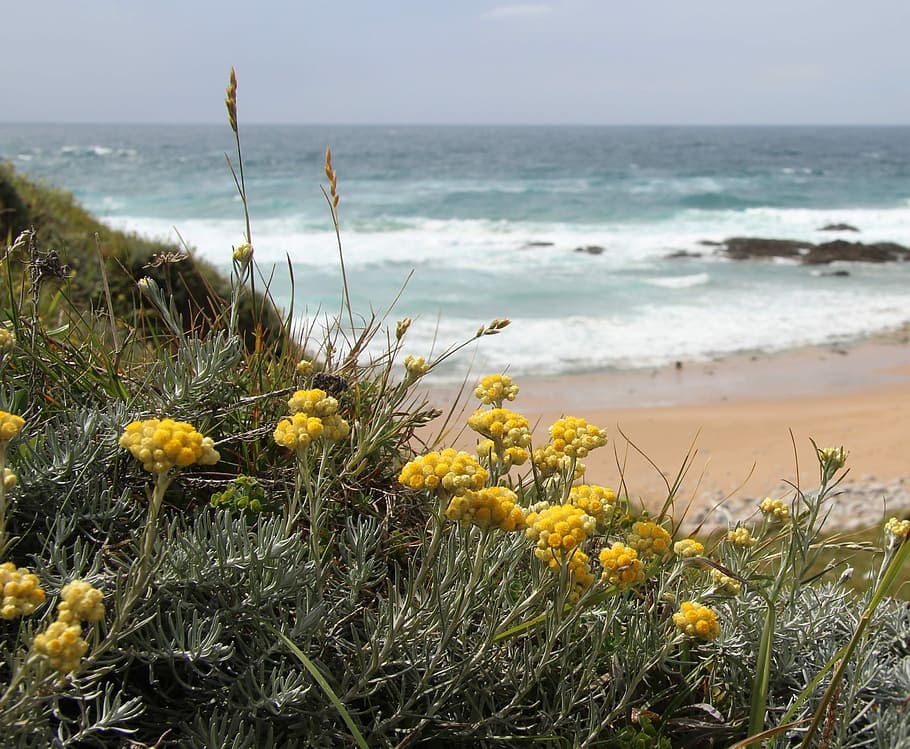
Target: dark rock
(591, 249)
(682, 254)
(538, 244)
(837, 273)
(841, 250)
(748, 248)
(838, 227)
(710, 243)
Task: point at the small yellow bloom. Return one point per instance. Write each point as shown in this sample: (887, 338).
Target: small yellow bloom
(561, 528)
(448, 471)
(402, 327)
(898, 529)
(579, 566)
(494, 389)
(696, 620)
(597, 501)
(315, 402)
(9, 479)
(304, 367)
(7, 339)
(511, 456)
(20, 591)
(80, 601)
(621, 566)
(416, 366)
(10, 426)
(62, 645)
(649, 539)
(688, 547)
(492, 507)
(775, 509)
(740, 537)
(725, 583)
(166, 444)
(243, 253)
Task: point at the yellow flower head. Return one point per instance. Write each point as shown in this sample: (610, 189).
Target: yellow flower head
(162, 445)
(10, 426)
(314, 402)
(579, 565)
(775, 509)
(243, 253)
(575, 437)
(304, 367)
(21, 594)
(511, 456)
(494, 389)
(621, 566)
(492, 507)
(689, 547)
(649, 539)
(696, 620)
(62, 645)
(550, 461)
(80, 602)
(448, 471)
(560, 528)
(897, 529)
(299, 431)
(416, 366)
(9, 479)
(725, 583)
(7, 338)
(740, 537)
(597, 501)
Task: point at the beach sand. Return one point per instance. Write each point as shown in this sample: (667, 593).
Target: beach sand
(747, 423)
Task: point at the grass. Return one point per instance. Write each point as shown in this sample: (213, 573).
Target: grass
(282, 562)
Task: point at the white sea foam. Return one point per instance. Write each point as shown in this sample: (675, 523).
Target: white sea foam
(679, 282)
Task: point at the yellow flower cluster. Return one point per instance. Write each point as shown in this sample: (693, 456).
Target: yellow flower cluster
(511, 456)
(10, 426)
(696, 620)
(447, 471)
(314, 415)
(775, 509)
(621, 566)
(80, 602)
(899, 529)
(21, 594)
(501, 424)
(243, 253)
(9, 479)
(315, 402)
(416, 366)
(492, 507)
(62, 643)
(579, 564)
(162, 445)
(597, 501)
(494, 389)
(7, 338)
(649, 539)
(740, 537)
(550, 461)
(559, 527)
(689, 547)
(725, 583)
(299, 431)
(571, 439)
(304, 367)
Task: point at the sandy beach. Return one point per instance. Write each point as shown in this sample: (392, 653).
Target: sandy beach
(749, 422)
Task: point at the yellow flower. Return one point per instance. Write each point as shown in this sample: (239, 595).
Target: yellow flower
(304, 367)
(62, 645)
(597, 501)
(402, 327)
(689, 547)
(7, 338)
(10, 426)
(696, 620)
(416, 366)
(494, 389)
(740, 537)
(621, 566)
(162, 445)
(575, 437)
(80, 601)
(649, 538)
(898, 529)
(492, 507)
(313, 403)
(549, 461)
(9, 479)
(579, 565)
(243, 253)
(511, 456)
(725, 583)
(560, 528)
(299, 431)
(775, 509)
(448, 471)
(20, 592)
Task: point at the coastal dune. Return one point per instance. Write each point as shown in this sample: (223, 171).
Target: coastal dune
(747, 426)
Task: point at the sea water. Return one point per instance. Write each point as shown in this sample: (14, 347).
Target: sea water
(486, 222)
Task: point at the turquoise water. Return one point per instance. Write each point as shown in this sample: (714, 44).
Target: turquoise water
(488, 219)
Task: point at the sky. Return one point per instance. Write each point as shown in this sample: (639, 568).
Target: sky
(458, 62)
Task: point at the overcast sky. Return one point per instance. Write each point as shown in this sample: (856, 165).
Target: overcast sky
(458, 61)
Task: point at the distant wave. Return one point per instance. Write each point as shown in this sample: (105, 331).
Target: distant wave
(680, 282)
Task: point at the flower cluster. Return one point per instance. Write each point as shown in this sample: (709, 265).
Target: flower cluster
(243, 253)
(304, 367)
(10, 426)
(416, 366)
(492, 507)
(21, 594)
(62, 644)
(579, 565)
(163, 445)
(621, 566)
(510, 456)
(9, 479)
(508, 435)
(740, 537)
(494, 389)
(448, 471)
(898, 529)
(571, 439)
(649, 538)
(689, 547)
(315, 402)
(299, 431)
(314, 416)
(559, 527)
(7, 338)
(597, 501)
(725, 583)
(696, 620)
(774, 509)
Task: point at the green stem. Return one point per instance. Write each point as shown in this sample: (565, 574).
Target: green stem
(2, 500)
(762, 679)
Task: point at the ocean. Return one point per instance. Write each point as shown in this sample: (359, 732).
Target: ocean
(487, 222)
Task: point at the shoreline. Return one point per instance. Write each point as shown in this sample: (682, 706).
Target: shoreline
(749, 420)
